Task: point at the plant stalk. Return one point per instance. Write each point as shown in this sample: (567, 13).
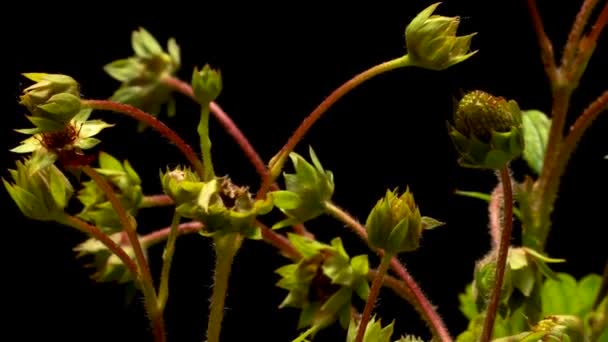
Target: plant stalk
(373, 294)
(276, 165)
(163, 292)
(226, 248)
(156, 317)
(156, 201)
(203, 132)
(153, 122)
(417, 298)
(503, 250)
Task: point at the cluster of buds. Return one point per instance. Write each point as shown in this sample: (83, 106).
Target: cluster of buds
(219, 204)
(322, 283)
(141, 75)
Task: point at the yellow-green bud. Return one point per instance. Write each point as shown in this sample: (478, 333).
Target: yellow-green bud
(487, 131)
(206, 84)
(395, 224)
(432, 42)
(40, 195)
(53, 96)
(181, 184)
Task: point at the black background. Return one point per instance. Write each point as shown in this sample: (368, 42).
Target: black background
(278, 62)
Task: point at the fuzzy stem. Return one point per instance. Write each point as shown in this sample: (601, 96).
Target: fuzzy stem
(279, 241)
(203, 132)
(587, 46)
(495, 211)
(577, 130)
(156, 201)
(570, 49)
(417, 298)
(226, 248)
(234, 131)
(373, 294)
(163, 292)
(546, 47)
(161, 235)
(225, 120)
(503, 250)
(148, 290)
(97, 233)
(154, 123)
(276, 165)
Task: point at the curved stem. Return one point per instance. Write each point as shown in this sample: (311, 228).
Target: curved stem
(571, 47)
(276, 165)
(234, 131)
(417, 299)
(503, 251)
(97, 233)
(156, 201)
(546, 47)
(279, 241)
(203, 132)
(163, 292)
(225, 120)
(161, 235)
(156, 316)
(495, 211)
(226, 248)
(373, 294)
(154, 123)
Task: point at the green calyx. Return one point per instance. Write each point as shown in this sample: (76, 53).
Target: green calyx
(127, 186)
(141, 74)
(306, 191)
(219, 204)
(374, 332)
(395, 223)
(41, 195)
(487, 131)
(432, 42)
(323, 282)
(206, 84)
(53, 100)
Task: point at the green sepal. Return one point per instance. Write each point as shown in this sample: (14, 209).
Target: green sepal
(374, 332)
(62, 107)
(536, 127)
(124, 70)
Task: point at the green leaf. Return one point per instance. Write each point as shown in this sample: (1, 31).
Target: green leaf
(174, 52)
(285, 199)
(467, 303)
(63, 105)
(124, 70)
(144, 44)
(87, 143)
(536, 129)
(430, 223)
(306, 246)
(108, 162)
(588, 288)
(557, 295)
(46, 124)
(93, 127)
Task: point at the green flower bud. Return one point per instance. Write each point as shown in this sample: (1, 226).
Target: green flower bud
(41, 195)
(53, 97)
(561, 328)
(323, 282)
(127, 187)
(306, 192)
(487, 131)
(108, 267)
(395, 224)
(484, 280)
(206, 84)
(181, 184)
(432, 42)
